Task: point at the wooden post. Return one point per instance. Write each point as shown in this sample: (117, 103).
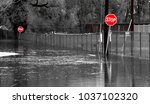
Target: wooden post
(132, 15)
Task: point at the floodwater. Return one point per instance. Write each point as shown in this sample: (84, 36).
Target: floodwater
(39, 65)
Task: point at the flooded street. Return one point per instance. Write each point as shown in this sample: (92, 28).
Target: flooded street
(43, 66)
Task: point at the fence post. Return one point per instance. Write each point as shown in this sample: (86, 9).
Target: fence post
(124, 48)
(91, 43)
(55, 41)
(41, 39)
(38, 39)
(77, 42)
(117, 43)
(73, 45)
(82, 43)
(63, 41)
(140, 45)
(132, 43)
(45, 40)
(149, 47)
(96, 45)
(60, 41)
(70, 41)
(52, 40)
(86, 42)
(66, 41)
(35, 39)
(149, 51)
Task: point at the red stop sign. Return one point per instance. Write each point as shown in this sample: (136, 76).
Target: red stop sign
(20, 29)
(111, 19)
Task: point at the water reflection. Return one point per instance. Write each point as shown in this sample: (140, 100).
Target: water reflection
(44, 66)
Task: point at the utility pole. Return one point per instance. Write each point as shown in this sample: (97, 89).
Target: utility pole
(106, 30)
(149, 9)
(132, 15)
(138, 3)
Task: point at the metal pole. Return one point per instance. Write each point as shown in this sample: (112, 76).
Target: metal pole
(106, 30)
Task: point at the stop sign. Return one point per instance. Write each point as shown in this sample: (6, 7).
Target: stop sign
(111, 19)
(20, 29)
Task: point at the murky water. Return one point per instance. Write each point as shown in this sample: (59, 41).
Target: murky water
(43, 66)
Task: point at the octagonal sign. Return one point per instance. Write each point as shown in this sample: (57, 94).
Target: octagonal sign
(111, 19)
(20, 29)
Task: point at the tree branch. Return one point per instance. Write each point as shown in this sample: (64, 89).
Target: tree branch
(40, 5)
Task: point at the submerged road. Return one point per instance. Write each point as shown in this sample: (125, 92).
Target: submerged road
(24, 64)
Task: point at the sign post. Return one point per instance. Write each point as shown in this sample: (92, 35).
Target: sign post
(20, 30)
(110, 21)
